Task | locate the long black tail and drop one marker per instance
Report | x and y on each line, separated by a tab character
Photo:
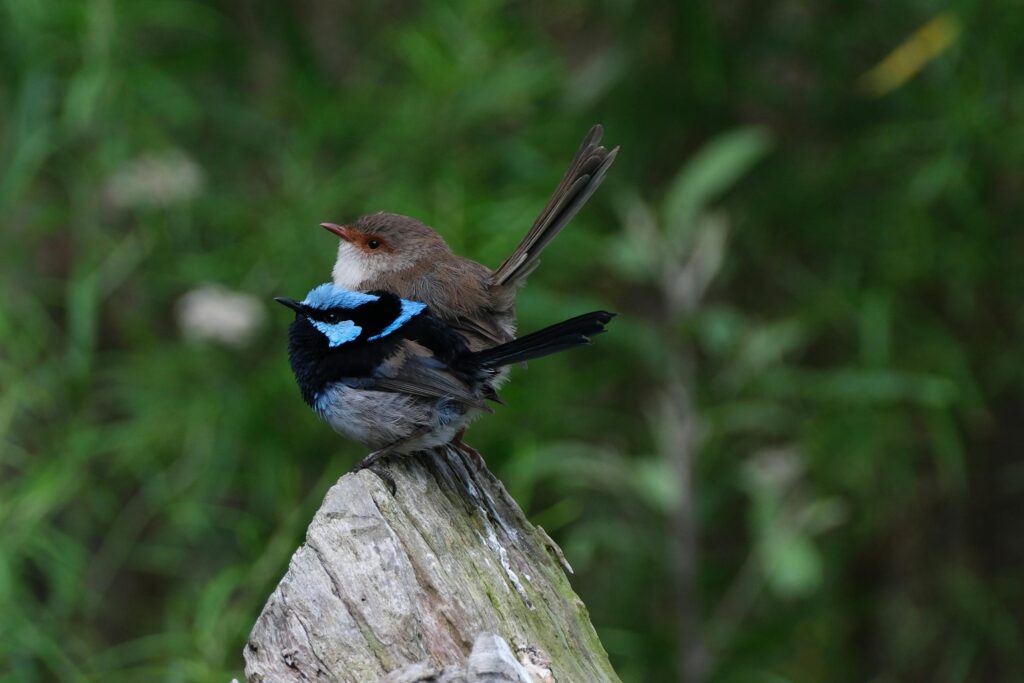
564	335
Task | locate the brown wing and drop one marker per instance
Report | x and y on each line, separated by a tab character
487	330
458	292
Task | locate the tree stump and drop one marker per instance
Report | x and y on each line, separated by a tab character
445	580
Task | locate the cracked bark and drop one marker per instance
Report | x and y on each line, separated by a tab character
444	581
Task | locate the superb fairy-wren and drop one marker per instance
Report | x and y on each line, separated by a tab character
389	374
398	254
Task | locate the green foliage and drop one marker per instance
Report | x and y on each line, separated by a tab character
832	272
714	169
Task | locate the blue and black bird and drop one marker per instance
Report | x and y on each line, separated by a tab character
385	372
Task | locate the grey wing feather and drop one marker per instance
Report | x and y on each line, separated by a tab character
425	376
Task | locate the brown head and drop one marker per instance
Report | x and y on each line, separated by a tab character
379	245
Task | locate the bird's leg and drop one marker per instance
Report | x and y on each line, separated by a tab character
373	459
372	462
474	454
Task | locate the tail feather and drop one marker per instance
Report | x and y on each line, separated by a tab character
567	334
584	176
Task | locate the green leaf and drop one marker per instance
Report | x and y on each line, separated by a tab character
657	484
713	170
792	564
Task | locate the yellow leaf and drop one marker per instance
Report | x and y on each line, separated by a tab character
912	55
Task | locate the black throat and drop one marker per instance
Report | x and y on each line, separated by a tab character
316	364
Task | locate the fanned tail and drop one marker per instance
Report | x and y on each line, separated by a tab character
584	176
564	335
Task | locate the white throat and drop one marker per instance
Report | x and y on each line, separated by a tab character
351	269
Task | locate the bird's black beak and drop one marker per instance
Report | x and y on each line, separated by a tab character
290	303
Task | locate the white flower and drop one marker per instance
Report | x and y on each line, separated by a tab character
211	312
154	180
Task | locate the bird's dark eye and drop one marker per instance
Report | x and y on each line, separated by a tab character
373	244
332	318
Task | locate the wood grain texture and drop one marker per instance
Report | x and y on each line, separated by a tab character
413	583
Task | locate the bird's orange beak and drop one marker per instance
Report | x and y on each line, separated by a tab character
341	231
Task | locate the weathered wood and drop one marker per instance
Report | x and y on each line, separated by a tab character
405	584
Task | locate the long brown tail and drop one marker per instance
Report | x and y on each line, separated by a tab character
585	174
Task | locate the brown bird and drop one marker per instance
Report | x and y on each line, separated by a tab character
397	254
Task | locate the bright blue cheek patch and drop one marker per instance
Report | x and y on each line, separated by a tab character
338	333
410	309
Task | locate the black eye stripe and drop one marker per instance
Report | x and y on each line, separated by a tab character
372	317
329	317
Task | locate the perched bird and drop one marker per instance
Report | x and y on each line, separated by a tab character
387	373
394	253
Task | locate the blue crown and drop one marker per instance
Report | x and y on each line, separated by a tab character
327	296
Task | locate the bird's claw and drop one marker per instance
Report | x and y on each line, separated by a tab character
474	454
373	462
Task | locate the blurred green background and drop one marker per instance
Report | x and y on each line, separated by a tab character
795	457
